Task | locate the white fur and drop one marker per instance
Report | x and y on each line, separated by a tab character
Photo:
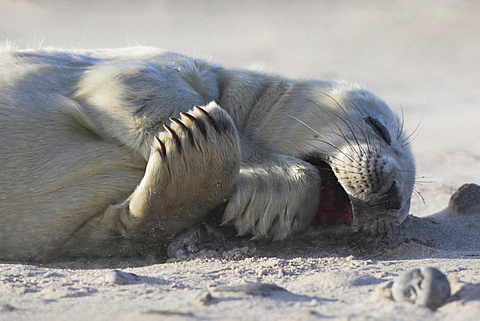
78	131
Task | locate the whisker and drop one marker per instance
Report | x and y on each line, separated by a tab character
336	124
343	135
419	181
407	139
344	111
340	162
348	165
324	141
403	120
367	136
406	171
417	193
346	114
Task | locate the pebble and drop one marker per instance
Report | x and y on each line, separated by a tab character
262	289
205	298
425	286
6	307
466	199
238	253
119	277
163	314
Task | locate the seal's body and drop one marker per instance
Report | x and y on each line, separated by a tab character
103	153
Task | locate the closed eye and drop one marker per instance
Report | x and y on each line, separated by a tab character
379	129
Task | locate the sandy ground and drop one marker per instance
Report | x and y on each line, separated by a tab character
423	56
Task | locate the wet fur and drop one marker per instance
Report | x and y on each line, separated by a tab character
88	168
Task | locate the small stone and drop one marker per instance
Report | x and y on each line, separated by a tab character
311	313
262	272
205	298
6	307
238	253
426	286
119	277
169	313
199	239
263	289
466	199
281	273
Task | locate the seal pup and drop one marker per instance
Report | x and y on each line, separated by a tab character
105	154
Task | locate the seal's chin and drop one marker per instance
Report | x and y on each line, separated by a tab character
334	206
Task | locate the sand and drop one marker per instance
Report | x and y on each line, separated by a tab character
422	56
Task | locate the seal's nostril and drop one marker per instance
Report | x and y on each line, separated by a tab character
392	199
393	204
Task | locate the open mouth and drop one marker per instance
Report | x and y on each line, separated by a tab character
334	206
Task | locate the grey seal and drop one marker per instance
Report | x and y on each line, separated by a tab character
105	154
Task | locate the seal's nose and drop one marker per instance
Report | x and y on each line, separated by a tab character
391	199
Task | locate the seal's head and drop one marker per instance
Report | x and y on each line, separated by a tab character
364	159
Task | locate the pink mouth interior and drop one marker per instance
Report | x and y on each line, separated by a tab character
334	204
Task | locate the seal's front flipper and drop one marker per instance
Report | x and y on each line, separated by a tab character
193	168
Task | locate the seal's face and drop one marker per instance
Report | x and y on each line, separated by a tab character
366	167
